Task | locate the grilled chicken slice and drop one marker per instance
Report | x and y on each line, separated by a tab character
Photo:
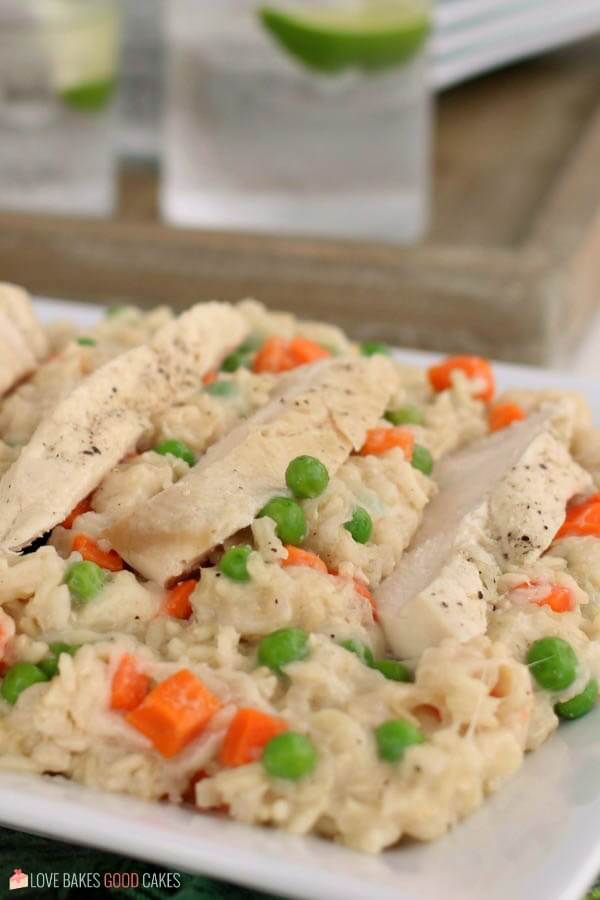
16	359
500	503
323	410
15	303
100	421
22	339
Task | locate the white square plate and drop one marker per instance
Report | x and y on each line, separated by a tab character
539	837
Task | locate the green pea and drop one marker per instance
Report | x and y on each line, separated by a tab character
405	415
18	678
49	666
221	388
115	310
306	476
282	647
57	647
289	755
234	563
361	650
370	348
553	663
579	705
176	448
394	737
85	580
252	343
234	361
422	460
288	517
360	525
86	342
393	670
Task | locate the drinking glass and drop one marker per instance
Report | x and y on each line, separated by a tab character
58	69
300	116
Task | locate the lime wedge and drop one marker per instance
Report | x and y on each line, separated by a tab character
333	40
89	97
82	57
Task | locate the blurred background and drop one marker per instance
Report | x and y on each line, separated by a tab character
426	173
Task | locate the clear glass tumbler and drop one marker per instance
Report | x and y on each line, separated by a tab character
58	68
298	116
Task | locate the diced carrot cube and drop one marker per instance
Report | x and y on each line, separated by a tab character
129	685
175	712
248	732
380	440
504	414
279	355
82	507
298	557
304	351
475	368
209	378
560	599
581	519
90	550
556	596
361	588
177	600
274	356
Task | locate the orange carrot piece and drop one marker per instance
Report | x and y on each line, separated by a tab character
209	378
380	440
82	507
274	356
474	367
558	597
248	732
361	588
177	600
90	550
279	355
504	414
129	685
298	557
175	712
581	519
304	351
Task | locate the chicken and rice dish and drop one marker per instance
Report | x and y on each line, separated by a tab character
249	566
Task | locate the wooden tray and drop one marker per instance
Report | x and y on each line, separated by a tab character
511	267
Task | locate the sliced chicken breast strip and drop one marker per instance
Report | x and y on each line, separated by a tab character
101	420
500	503
16	359
323	410
16	305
